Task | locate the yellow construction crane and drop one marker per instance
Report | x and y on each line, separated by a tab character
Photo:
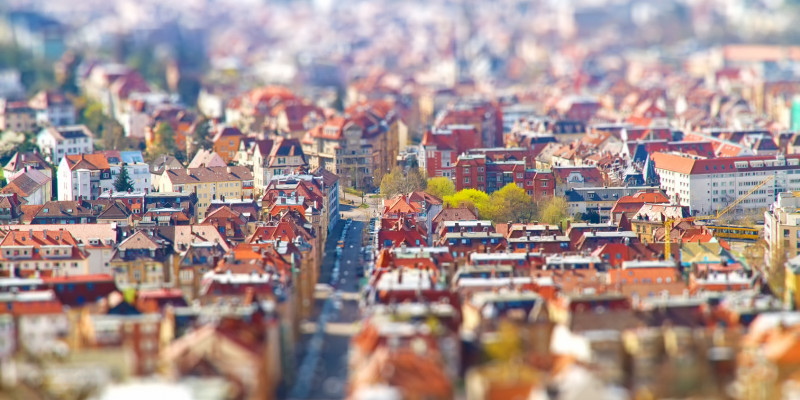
670	222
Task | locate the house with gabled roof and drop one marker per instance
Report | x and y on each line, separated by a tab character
231	224
117	213
41	253
275	157
226	142
11	208
33	186
64	212
141	258
21	162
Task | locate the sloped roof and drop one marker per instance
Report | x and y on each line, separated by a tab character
26	183
206	158
205	174
95	161
455	214
139	241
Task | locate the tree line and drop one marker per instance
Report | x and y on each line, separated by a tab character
509	204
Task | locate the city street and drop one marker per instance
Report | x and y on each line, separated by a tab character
323	348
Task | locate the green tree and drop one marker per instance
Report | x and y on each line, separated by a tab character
123	183
441	187
397	182
511	203
201	137
473	199
93	116
553	210
163	141
112	135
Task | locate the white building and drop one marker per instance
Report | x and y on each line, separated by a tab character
89	175
707	185
57	142
782	224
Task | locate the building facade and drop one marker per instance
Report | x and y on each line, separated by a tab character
707	185
58	142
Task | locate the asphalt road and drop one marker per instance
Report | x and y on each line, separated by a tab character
323	351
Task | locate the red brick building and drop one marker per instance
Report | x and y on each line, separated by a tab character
440	148
485	116
484	174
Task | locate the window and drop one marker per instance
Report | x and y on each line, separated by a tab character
466	179
544	184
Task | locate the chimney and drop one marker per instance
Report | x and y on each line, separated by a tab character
228	169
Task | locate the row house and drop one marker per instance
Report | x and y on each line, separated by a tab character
64	212
161	164
617	253
462	244
208	184
132	201
178	239
291	228
541	244
512	230
41	253
466	226
650	217
58	142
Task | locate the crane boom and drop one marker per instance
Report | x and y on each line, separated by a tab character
669	222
